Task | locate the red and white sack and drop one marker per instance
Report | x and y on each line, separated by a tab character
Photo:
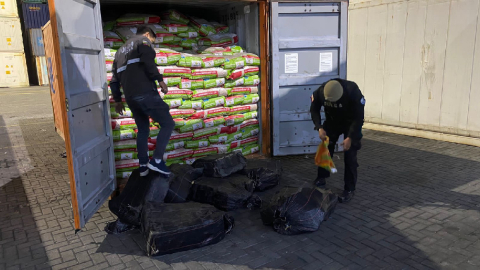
178	154
207	132
177	136
248	123
174	71
123	123
127	164
210	113
175	92
246	141
182	113
211	150
243	108
210	93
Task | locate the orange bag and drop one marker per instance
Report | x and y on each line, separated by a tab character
323	158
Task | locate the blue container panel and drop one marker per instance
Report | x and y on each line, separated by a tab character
35	15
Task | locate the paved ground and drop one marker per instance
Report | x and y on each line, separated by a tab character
417	207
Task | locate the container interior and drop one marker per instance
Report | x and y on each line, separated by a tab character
240	16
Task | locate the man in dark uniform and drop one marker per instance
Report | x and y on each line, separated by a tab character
135	70
344	106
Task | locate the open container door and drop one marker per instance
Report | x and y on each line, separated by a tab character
80	75
308	48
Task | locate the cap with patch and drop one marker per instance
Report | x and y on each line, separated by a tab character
333	91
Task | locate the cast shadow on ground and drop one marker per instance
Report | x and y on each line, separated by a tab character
359	234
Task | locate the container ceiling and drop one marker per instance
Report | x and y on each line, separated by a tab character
199	3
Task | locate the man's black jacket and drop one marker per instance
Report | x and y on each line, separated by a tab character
134	69
346	115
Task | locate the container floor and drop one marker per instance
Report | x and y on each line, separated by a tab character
416	207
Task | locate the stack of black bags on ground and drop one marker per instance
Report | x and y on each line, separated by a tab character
187	210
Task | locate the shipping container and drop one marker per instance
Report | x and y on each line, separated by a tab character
36	42
308	48
11	39
35	15
418	63
42	71
8	8
13	70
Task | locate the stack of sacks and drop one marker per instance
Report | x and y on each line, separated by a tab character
213	98
213	91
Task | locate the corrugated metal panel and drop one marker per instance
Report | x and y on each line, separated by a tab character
10	35
36	42
35	15
53	71
418	64
82	74
13	70
8	8
308	48
42	71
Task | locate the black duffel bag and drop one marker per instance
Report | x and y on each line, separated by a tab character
265	172
138	190
181	180
221	165
170	228
299	212
226	194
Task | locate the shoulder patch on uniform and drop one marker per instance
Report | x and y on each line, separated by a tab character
362	101
145	42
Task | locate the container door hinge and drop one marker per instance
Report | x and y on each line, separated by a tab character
66	104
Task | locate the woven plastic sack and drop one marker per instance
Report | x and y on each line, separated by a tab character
323	158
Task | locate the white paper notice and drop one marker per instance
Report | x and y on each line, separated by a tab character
291	63
326	62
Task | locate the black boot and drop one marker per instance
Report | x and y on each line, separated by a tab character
320	182
346	196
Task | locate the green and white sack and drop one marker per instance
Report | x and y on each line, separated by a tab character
213	102
197	144
234	62
172	81
120	135
188	60
191	125
191	84
212	83
175	16
252	81
173	103
192	104
234	100
166	57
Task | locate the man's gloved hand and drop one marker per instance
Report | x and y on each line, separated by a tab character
164	87
119	107
322	134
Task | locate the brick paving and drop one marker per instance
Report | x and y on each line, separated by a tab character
417	207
